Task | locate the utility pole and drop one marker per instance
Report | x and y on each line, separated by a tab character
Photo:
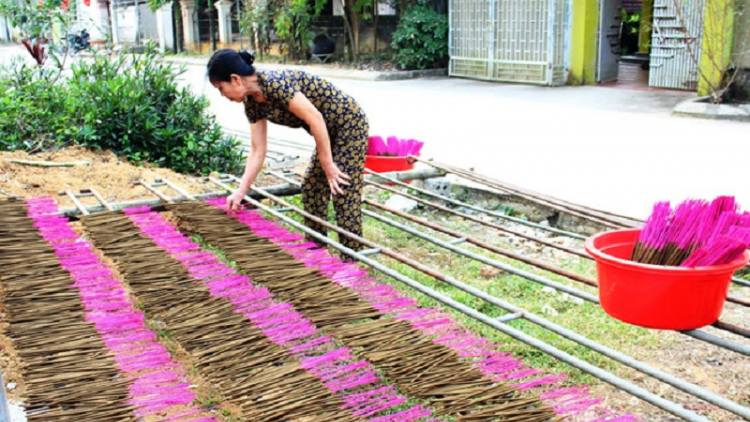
211	26
6	24
137	25
115	25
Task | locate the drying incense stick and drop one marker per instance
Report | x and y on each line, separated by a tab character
428	321
157	383
437	325
280	282
56	346
251	372
335	366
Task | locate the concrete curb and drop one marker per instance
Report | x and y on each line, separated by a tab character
701	108
323	71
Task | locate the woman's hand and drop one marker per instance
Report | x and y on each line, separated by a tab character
259	141
234	201
336	178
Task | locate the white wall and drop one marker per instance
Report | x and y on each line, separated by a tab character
148	23
4	30
126	23
165	27
95	18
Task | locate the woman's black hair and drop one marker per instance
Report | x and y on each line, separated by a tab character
226	62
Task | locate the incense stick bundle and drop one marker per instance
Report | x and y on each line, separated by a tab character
721	249
67	372
393	147
436	325
249	370
695	233
653	237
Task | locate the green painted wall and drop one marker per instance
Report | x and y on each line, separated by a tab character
644	32
583	42
716	44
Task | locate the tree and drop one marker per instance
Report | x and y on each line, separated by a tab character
723	47
421	39
292	24
353	15
35	22
288	19
258	22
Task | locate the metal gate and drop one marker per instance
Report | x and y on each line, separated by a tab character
676	44
207	20
208	38
509	40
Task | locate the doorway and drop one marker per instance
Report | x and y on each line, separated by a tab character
610	40
623	42
649	43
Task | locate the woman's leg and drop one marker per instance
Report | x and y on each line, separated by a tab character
316	195
349	154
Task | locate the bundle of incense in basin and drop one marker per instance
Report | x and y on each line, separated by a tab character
393	147
695	233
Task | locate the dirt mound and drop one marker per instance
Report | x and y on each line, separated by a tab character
111	176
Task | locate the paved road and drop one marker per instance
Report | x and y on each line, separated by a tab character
614	149
618	150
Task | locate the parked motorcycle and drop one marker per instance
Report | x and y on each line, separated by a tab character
79	41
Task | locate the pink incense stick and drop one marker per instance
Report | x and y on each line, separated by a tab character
156	381
479	352
354	381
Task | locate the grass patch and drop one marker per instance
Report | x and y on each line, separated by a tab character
582	317
214	398
197	238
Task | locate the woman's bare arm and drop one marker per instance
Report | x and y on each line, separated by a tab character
259	145
301	107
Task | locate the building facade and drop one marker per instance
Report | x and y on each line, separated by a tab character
670	44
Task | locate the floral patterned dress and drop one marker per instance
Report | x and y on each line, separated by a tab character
348	130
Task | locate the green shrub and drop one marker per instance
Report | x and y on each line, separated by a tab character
128	104
421	39
34	110
133	106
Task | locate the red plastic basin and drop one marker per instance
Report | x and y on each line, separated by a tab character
378	164
656	296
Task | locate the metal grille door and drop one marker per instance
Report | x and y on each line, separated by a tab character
676	43
610	26
509	40
469	40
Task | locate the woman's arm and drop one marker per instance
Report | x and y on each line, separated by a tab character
301	107
259	144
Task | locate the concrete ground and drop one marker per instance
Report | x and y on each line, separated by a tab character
619	150
615	149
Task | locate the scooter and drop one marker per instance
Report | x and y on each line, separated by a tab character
79	41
